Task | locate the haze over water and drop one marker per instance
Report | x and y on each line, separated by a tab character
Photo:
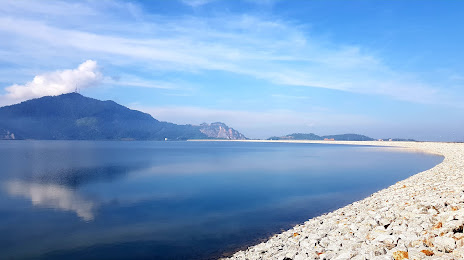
177	200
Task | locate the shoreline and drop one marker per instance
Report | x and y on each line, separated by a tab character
421	217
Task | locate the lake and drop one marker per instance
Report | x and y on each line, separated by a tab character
177	200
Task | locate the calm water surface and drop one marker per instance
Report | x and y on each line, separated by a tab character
176	200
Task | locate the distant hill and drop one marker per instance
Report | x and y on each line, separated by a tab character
220	130
349	137
342	137
75	117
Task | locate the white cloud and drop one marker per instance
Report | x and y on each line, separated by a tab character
131	81
54	83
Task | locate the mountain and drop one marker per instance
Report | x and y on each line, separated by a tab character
348	137
220	130
342	137
75	117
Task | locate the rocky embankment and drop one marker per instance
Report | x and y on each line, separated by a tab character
421	217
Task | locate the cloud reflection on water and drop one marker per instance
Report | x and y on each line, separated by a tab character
53	196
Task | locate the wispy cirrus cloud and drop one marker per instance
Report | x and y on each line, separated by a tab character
277	51
137	82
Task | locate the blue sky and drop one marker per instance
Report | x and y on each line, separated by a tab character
266	67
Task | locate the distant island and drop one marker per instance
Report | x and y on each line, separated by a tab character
75	117
340	137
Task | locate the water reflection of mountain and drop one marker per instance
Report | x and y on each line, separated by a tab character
75	177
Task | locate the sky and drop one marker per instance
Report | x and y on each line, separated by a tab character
264	67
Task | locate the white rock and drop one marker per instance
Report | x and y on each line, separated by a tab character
445	244
300	257
344	256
